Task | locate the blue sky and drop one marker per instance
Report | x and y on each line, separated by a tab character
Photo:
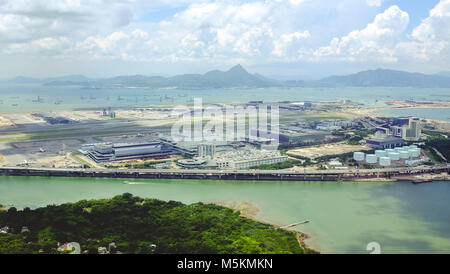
418	10
299	39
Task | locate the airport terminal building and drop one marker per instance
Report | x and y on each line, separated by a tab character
108	152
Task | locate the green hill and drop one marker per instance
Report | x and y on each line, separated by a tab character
139	225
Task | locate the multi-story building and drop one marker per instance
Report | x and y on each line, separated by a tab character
206	150
402	129
409	129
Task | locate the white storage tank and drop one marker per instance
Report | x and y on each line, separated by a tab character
359	156
389	150
404	155
394	156
413	146
414	153
385	161
371	159
381	153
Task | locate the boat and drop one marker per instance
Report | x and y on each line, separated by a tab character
422	181
131	183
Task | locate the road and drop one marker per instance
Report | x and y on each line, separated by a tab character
315	175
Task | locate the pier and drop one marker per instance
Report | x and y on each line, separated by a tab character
294	224
256	175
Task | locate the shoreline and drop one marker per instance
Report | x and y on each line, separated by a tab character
253	209
250	211
437	177
228	175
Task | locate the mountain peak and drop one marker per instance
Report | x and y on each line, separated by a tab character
238	68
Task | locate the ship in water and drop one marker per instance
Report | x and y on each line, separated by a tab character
422	181
131	183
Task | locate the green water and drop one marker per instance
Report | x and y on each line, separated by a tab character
344	218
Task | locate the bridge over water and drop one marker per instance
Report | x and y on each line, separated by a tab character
260	175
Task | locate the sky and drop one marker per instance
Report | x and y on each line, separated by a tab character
296	39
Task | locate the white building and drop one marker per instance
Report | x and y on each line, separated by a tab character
73	247
247	158
246	164
4	230
335	164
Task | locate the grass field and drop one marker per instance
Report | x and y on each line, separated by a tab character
77	158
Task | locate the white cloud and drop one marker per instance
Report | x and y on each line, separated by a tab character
289	43
374	3
223	32
430	41
375	42
220	31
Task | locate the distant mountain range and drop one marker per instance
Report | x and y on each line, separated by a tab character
64	79
444	73
387	78
238	77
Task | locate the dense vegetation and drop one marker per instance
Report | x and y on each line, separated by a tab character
145	165
359	136
441	144
305	160
283	165
300	144
136	225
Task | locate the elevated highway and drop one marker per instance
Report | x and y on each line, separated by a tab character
258	175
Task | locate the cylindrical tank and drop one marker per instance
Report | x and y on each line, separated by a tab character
381	153
394	156
414	153
404	154
371	159
390	150
412	146
385	161
359	156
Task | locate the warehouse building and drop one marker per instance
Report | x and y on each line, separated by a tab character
385	142
248	163
108	152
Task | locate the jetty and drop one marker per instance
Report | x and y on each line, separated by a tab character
294	224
